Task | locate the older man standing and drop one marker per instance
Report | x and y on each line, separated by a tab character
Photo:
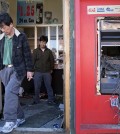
43	61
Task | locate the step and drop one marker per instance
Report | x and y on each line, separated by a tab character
38	131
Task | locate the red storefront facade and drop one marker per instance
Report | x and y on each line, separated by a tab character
93	112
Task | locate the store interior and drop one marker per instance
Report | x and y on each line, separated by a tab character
36	18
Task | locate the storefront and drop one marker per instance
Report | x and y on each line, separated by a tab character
36	18
86	33
97	39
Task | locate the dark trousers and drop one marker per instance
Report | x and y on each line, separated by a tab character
46	77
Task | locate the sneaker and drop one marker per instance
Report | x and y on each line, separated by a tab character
8	127
19	122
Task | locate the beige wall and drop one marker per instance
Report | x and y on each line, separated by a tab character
13	9
55	6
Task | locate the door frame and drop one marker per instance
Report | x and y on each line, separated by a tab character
66	79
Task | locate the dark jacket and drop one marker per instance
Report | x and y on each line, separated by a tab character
43	61
21	54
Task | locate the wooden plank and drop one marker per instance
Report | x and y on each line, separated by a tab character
66	35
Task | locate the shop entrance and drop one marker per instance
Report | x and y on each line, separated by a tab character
49	22
53	28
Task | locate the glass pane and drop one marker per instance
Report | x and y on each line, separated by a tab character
29	31
42	31
53	43
60	47
60	31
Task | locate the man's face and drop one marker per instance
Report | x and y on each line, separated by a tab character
7	29
42	44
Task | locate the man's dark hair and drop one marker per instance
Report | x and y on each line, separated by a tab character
43	38
6	19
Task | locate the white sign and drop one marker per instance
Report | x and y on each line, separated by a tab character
108	9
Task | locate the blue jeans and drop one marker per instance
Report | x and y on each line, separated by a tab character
46	77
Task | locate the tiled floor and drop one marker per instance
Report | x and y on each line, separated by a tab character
41	115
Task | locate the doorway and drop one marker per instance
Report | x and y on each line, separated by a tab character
66	70
48	22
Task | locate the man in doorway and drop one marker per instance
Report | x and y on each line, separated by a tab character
15	64
43	61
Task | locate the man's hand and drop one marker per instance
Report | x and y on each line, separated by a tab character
29	75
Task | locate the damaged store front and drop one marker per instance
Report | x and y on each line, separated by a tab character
108	56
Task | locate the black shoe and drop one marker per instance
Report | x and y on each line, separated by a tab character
51	103
44	96
34	103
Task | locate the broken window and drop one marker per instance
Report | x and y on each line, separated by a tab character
108	55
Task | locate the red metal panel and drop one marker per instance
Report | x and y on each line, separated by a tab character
92	111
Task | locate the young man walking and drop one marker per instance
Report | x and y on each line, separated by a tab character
15	64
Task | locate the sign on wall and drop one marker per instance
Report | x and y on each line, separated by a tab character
25	13
107	9
29	13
